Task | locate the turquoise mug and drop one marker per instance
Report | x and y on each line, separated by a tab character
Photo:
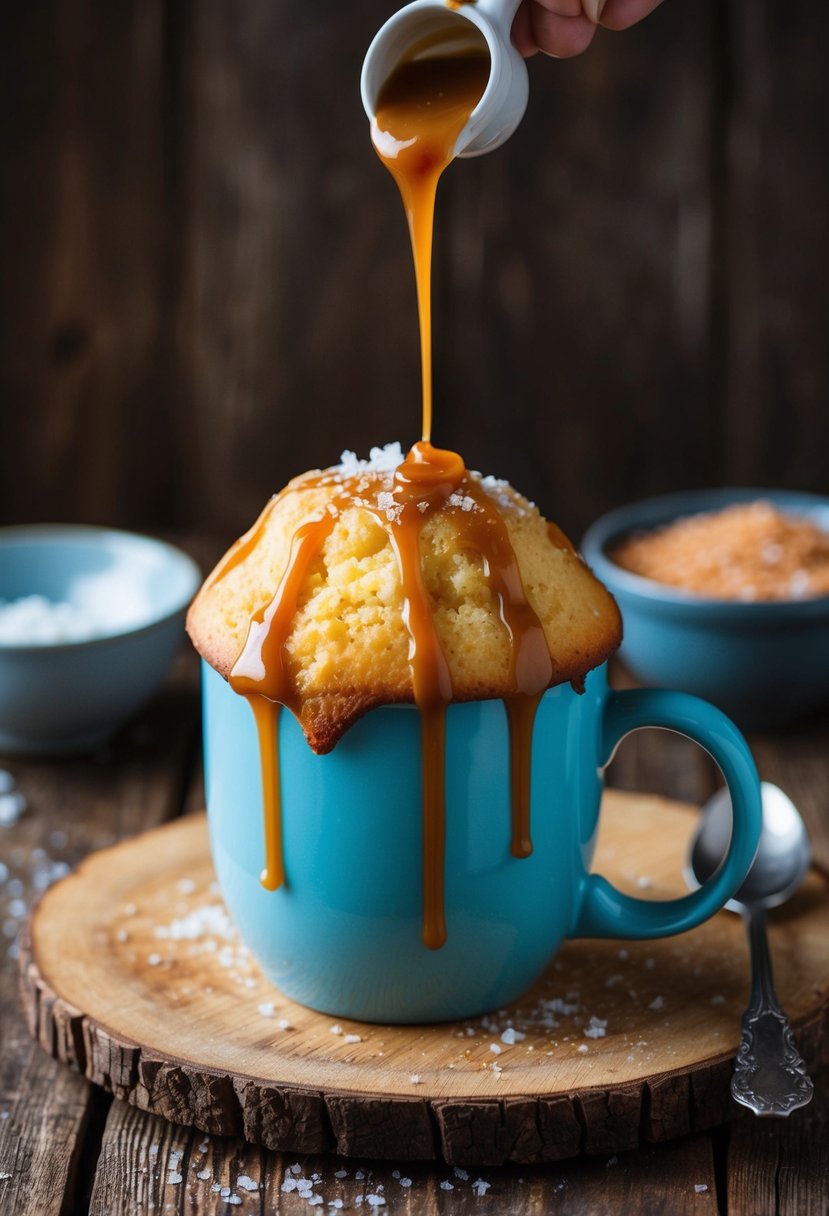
343	935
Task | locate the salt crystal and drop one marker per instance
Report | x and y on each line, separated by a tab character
496	1068
288	1185
336	1203
353	1038
284	1024
204	1175
582	1049
462	1174
267	1009
495	1049
480	1187
344	1174
315	1200
512	1036
224	1191
643	883
414	1079
215	1188
385	500
153	959
446	1185
203	1147
245	1183
296	1168
122	935
186	886
375	1201
359	1175
174	1178
381	460
336	1028
4	1177
658	1002
699	1187
233	1200
422	505
406	1182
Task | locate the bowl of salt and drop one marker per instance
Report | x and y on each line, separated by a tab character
90	620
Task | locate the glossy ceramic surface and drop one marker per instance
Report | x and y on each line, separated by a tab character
69	696
344	933
763	663
504	102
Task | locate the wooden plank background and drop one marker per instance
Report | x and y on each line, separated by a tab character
207	288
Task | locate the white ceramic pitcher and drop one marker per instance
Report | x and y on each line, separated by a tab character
504	101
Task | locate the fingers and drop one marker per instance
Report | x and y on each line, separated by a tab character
563	28
621	14
560	35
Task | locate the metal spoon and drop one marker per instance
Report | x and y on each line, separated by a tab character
769	1075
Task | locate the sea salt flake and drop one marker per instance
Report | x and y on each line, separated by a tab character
204	1175
495	1049
375	1201
174	1178
284	1024
353	1038
153	959
446	1185
186	886
643	882
296	1168
511	1036
461	1174
406	1182
582	1049
342	1173
414	1079
658	1002
245	1183
267	1009
480	1187
288	1185
699	1187
233	1200
336	1028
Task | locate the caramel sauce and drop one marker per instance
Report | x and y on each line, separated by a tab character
421	110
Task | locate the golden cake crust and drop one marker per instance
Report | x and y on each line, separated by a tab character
348	648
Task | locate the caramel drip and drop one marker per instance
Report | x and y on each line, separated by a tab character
521	709
421	110
267	714
260	675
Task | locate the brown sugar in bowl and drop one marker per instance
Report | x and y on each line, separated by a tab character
764	661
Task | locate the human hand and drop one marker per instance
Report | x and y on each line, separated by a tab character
566	27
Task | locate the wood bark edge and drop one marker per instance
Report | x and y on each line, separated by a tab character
527	1130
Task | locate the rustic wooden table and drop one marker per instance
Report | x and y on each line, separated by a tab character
66	1147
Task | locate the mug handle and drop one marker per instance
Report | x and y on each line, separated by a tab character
606	912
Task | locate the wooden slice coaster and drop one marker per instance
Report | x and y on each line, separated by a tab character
133	975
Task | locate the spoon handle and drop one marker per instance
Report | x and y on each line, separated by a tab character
769	1075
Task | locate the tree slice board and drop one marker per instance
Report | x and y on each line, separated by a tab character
132	974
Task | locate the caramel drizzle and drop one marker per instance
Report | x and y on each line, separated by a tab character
422	485
421	110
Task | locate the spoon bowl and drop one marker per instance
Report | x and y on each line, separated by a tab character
444	30
783	855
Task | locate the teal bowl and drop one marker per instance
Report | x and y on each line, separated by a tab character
61	697
763	663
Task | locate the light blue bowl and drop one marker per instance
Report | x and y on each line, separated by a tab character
67	697
762	663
